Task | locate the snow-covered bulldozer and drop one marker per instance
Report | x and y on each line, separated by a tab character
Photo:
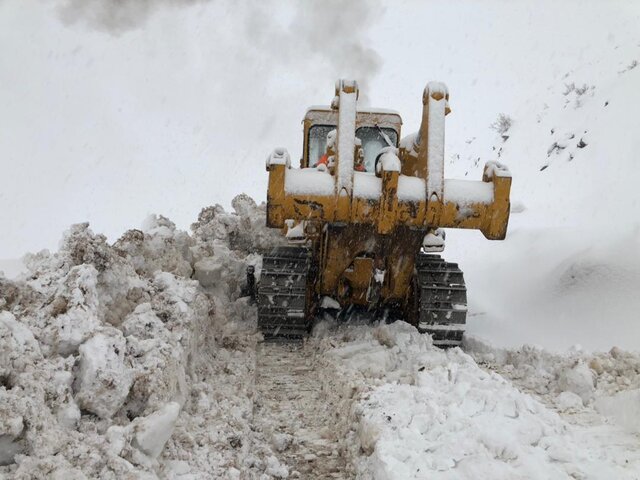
364	215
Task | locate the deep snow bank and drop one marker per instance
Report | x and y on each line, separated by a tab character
106	351
426	413
604	382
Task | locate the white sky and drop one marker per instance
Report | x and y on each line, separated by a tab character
180	110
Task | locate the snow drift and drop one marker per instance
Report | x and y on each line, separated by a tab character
103	348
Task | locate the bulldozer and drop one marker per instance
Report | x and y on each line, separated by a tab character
364	218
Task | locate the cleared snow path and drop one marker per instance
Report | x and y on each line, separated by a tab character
296	413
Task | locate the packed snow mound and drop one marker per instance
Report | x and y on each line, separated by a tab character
103	347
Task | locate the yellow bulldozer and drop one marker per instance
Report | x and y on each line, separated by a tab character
364	216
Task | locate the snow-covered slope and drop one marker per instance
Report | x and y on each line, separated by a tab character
570	267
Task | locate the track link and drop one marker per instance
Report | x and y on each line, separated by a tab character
442	300
282	292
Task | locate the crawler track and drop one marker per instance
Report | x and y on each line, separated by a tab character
282	293
441	300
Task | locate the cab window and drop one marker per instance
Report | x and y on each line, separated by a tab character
373	140
318	142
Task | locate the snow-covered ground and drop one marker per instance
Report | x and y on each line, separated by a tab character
139	359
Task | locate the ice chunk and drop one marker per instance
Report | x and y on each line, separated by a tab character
328	302
295	231
568	401
11	427
578	379
208	271
18	347
74	311
276	469
103	380
153	432
68	414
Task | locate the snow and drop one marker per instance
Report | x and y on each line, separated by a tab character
411	189
295	231
497	169
408	142
428	413
578	380
359	108
591	388
309	181
107	351
435	140
175	384
103	380
153	432
434	241
346	137
569	269
389	161
279	156
328	302
623	408
367	185
466	192
379	396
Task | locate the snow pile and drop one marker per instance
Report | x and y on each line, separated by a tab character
605	382
106	350
428	413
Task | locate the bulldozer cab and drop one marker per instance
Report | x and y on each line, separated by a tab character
375	129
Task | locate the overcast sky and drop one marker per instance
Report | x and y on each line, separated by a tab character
110	111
